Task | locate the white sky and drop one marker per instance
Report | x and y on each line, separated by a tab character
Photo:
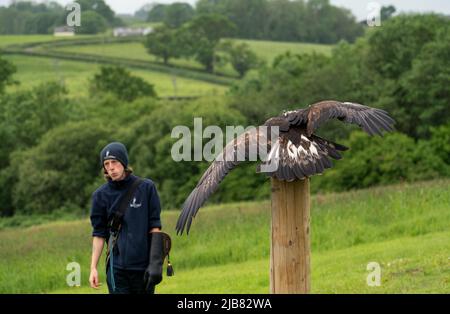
358	7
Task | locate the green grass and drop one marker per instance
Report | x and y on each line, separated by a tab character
135	51
130	53
32	71
266	50
403	227
7	40
408	265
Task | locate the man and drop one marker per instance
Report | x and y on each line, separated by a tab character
130	256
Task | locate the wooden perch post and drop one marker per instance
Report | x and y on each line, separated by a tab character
290	243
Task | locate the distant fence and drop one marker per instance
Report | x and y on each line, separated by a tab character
186	72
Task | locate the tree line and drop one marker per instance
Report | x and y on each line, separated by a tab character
278	20
28	17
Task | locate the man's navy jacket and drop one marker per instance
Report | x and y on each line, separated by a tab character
143	214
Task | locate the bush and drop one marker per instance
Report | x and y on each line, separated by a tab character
27	115
120	82
7	69
162	43
379	161
440	142
92	23
241	57
56	172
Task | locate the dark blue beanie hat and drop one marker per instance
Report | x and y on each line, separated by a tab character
114	150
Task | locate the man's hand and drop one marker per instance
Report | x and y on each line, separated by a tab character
93	279
155	230
97	248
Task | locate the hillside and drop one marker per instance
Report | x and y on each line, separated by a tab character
265	50
70	61
402	227
33	71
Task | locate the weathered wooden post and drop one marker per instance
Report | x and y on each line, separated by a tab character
290	242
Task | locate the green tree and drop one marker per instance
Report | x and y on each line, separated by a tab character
241	57
440	141
142	13
286	21
27	115
211	6
99	7
405	60
311	21
92	23
120	82
25	17
328	24
249	16
29	6
393	49
177	14
378	161
7	69
290	83
157	13
408	78
425	89
43	23
8	178
57	172
387	12
200	36
162	42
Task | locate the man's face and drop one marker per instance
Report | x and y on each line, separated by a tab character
115	169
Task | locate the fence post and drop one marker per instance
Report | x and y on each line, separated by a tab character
290	241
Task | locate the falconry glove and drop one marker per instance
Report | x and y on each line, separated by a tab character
160	245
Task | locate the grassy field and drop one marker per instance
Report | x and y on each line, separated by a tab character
405	228
266	50
74	73
7	40
336	271
134	50
32	71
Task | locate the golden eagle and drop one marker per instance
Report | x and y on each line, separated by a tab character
298	152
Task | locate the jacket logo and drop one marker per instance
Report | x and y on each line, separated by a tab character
134	205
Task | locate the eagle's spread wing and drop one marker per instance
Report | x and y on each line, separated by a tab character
297	153
371	120
235	151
